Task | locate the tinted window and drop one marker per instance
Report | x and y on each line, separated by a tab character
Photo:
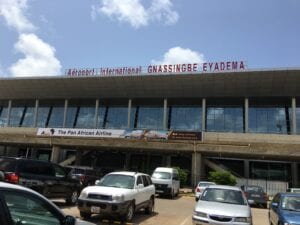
35	167
27	209
8	165
139	180
145	180
59	171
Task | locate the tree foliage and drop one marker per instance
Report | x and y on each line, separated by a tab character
222	177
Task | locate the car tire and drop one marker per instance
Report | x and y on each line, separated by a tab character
85	215
150	208
72	199
129	213
196	199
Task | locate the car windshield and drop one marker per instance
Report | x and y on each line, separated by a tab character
117	180
291	203
204	184
161	175
223	196
255	189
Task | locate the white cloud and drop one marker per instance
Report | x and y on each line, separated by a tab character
39	58
163	9
13	13
178	55
134	13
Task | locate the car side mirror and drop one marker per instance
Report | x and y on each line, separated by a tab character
251	202
69	220
140	186
275	204
97	182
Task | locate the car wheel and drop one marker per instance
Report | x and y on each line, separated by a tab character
85	215
172	194
72	199
196	199
150	208
129	212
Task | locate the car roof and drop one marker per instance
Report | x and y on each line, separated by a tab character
128	173
206	182
290	194
227	187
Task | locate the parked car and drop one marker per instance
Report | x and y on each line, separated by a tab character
49	179
285	209
200	188
222	205
166	181
257	194
86	175
118	194
21	205
294	190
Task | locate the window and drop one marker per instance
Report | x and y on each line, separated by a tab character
59	172
37	168
139	180
145	180
27	209
185	118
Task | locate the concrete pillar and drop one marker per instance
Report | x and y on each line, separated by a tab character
127	161
55	155
65	113
203	113
196	168
295	181
129	113
246	168
78	158
246	108
96	113
35	116
294	117
165	119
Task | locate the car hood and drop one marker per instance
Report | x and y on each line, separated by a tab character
291	216
225	209
81	222
106	190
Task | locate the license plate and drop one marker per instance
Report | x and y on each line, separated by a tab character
95	209
254	195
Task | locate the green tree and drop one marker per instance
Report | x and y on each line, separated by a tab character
222	177
183	174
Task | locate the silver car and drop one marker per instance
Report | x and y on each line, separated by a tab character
222	205
201	187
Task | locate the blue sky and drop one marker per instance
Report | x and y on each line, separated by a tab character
40	38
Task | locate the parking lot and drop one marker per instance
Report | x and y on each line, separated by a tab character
167	212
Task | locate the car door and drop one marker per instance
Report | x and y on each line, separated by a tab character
27	208
140	191
63	184
273	211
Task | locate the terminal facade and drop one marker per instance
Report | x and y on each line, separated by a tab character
249	121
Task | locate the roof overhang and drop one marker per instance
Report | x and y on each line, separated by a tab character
263	83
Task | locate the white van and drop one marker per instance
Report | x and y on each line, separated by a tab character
166	181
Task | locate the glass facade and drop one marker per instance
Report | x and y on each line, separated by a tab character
187	118
224	119
149	117
221	115
269	120
3	113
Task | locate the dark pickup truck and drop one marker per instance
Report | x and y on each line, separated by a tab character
49	179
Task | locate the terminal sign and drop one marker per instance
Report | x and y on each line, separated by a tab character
161	69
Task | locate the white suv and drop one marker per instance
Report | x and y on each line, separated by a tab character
118	194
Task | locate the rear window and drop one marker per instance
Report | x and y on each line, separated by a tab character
254	189
8	165
37	168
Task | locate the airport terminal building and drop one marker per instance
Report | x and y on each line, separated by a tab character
197	117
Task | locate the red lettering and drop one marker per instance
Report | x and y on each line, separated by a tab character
195	67
177	68
228	66
170	69
242	66
234	65
165	68
189	67
216	66
183	67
